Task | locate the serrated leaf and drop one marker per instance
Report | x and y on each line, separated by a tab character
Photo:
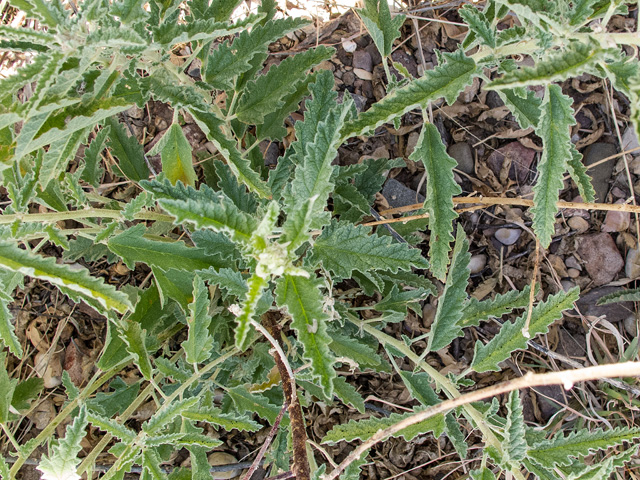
622	73
418	384
510	338
151	464
63	461
355	348
554	129
128	11
511	35
630	295
578	173
256	285
127	150
175	153
476	311
526	109
560	449
197	440
304	301
25	392
56	159
246	401
446	80
348	393
7	387
381	26
514	445
227	421
204	208
92	170
197	347
364	429
267	92
237	193
232	59
231	281
112	427
7	330
400	301
441	187
446	325
239	165
599	470
456	435
482	474
77	284
167	413
478	25
576	59
134	337
132	246
343	248
201	29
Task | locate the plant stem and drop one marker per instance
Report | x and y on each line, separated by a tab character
10	436
53	217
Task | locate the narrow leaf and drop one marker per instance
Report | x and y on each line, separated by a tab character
381	26
167	413
227	421
578	173
7	330
479	25
630	295
112	427
514	445
476	311
197	347
134	337
525	106
127	150
7	387
246	401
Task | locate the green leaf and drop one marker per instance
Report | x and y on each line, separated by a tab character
175	153
630	295
256	286
240	166
576	59
478	25
348	394
25	392
63	461
514	445
77	284
524	105
356	348
231	60
197	347
344	247
151	464
246	401
441	187
112	427
201	29
510	338
446	80
476	311
383	29
482	474
554	129
128	11
446	325
560	449
237	193
92	171
7	330
267	92
203	208
132	246
364	429
127	150
621	73
456	436
134	336
57	158
418	385
578	173
304	301
400	301
167	413
599	470
227	421
7	387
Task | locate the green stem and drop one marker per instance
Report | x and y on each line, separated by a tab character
10	436
232	107
94	384
53	217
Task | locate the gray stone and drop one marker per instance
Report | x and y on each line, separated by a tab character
615	312
477	263
601	174
520	158
507	236
462	153
348	78
362	59
632	264
398	195
601	257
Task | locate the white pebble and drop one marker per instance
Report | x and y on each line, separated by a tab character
477	263
507	236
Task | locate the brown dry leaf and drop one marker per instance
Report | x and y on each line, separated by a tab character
497	113
35	337
485	288
49	368
73	363
43	414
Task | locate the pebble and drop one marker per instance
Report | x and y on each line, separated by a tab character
348	78
632	264
399	195
616	221
507	236
631	325
363	74
630	140
223	458
520	157
577	212
567	285
412	141
572	262
601	174
477	263
349	46
578	224
601	257
573	272
462	154
362	59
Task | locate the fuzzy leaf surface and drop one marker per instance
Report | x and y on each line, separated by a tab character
554	129
383	29
63	461
441	188
7	329
578	173
304	301
197	347
510	338
479	25
216	417
525	108
514	445
343	248
127	150
175	153
476	311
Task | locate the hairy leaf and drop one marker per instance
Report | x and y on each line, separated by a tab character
304	302
510	338
256	286
348	394
7	387
524	105
197	347
203	29
127	150
167	413
630	295
482	474
175	153
7	330
246	401
112	427
453	430
63	461
441	187
514	445
134	337
227	421
446	324
446	80
343	248
578	173
478	25
378	22
554	129
476	311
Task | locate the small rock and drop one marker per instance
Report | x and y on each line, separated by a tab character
631	325
348	78
630	140
373	52
601	174
520	157
616	221
326	65
632	264
567	285
601	257
223	458
406	60
270	152
363	74
578	224
398	195
461	152
551	399
412	141
572	262
362	59
494	100
577	212
573	272
507	236
558	265
615	312
477	263
49	368
349	46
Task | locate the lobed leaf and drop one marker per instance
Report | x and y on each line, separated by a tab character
476	311
514	445
167	413
134	337
127	150
246	401
304	301
7	329
383	29
630	295
524	105
256	285
510	338
227	421
478	25
578	173
201	29
7	388
63	461
441	188
112	427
